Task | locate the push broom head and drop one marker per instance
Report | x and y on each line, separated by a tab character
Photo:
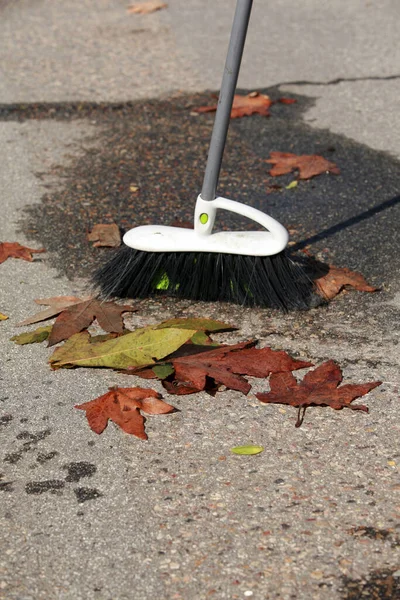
245	267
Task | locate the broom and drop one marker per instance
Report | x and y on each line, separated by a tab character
245	267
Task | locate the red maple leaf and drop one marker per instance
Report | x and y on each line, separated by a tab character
318	388
123	406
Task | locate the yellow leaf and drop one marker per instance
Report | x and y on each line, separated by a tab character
292	185
3	317
247	450
139	348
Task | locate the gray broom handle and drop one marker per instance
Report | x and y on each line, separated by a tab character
225	100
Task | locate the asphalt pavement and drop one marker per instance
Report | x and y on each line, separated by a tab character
94	100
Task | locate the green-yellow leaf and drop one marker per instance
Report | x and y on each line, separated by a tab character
247	450
139	348
3	317
32	337
163	371
200	338
292	184
197	324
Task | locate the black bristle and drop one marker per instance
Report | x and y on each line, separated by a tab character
277	281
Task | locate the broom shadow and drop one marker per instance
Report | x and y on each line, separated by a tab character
326	233
313	267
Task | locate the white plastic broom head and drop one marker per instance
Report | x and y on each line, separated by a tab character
161	238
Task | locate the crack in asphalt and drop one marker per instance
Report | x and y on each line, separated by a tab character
342	80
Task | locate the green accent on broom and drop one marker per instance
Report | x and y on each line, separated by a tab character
163	282
203	218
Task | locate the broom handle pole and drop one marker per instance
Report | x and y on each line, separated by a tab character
225	100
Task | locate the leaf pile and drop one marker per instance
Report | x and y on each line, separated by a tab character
225	365
181	354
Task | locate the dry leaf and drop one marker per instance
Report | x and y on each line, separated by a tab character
318	388
225	365
337	278
135	349
287	100
56	305
251	104
15	250
145	8
123	406
32	337
3	317
308	165
77	317
105	235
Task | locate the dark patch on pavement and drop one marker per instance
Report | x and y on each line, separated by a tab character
84	494
33	437
160	147
33	440
13	457
6	486
40	487
379	585
5	420
78	470
43	457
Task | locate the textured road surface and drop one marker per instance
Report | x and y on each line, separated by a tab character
317	514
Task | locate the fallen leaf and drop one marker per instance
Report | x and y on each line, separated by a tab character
32	337
292	184
77	317
144	8
105	235
198	324
3	317
136	349
318	388
183	224
287	100
15	250
247	450
226	365
330	284
242	106
308	165
56	305
123	406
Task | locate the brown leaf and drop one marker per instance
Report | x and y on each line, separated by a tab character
56	305
308	165
337	278
79	316
15	250
287	100
251	104
318	388
147	7
105	235
123	406
183	224
226	365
